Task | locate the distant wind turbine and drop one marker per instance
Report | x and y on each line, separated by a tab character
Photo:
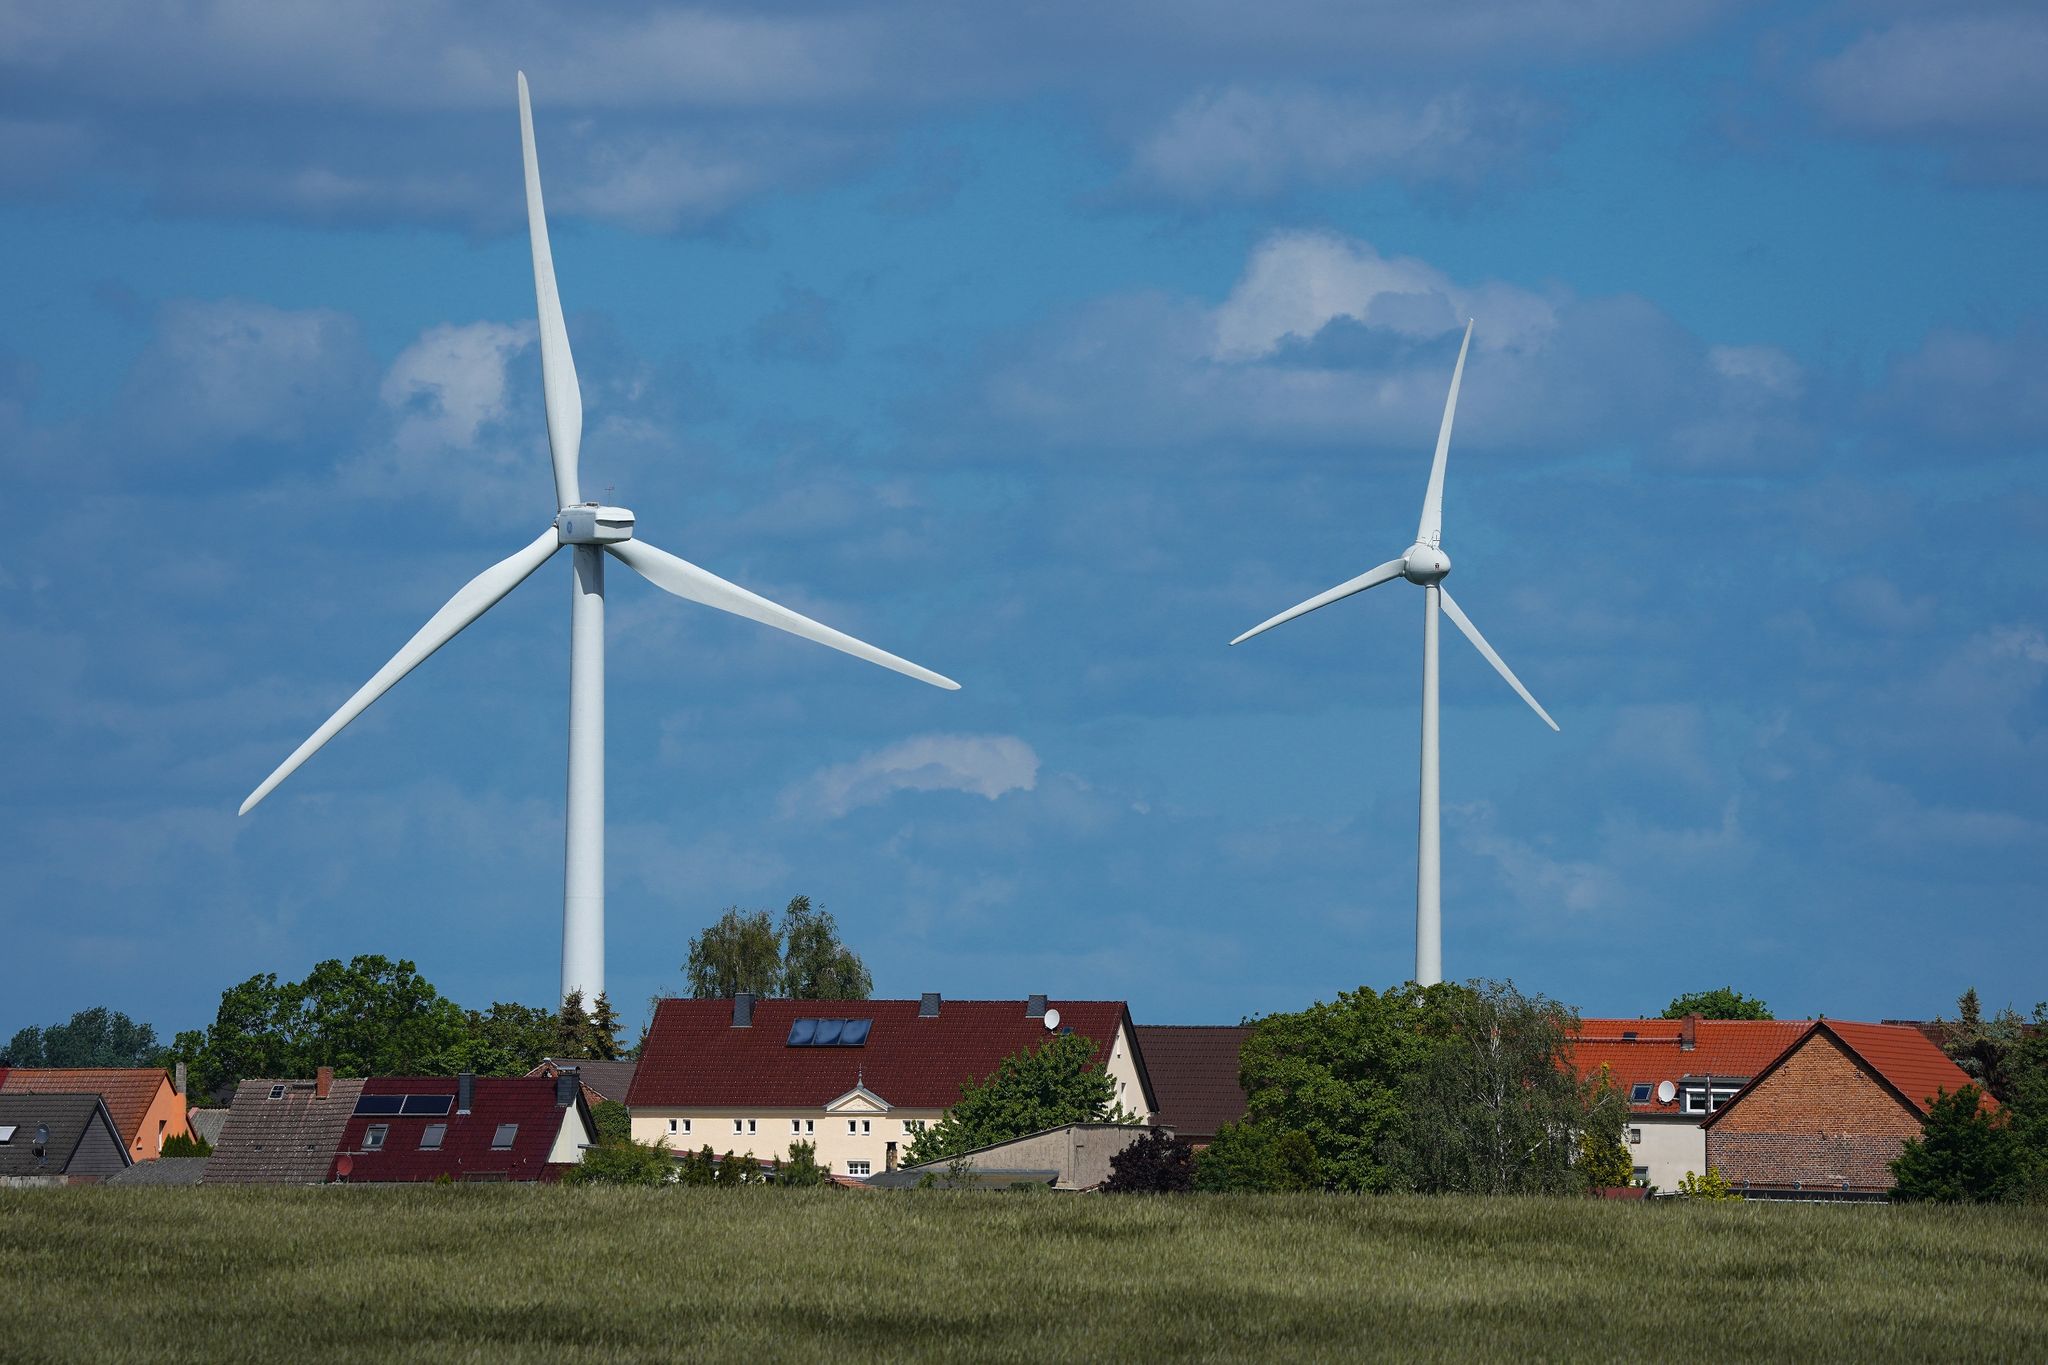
1426	565
593	530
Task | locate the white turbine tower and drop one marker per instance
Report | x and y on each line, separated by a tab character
1424	564
593	531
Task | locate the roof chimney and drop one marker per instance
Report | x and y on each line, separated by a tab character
743	1009
465	1091
1034	1008
323	1081
928	1008
1688	1033
178	1078
567	1082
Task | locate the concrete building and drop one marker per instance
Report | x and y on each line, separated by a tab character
1075	1157
1827	1117
860	1079
146	1108
1675	1073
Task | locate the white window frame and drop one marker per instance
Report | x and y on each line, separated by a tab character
739	1126
504	1137
914	1125
860	1167
1635	1137
374	1135
438	1132
675	1125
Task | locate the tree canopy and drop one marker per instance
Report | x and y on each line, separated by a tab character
1057	1083
95	1037
799	959
1965	1154
1725	1002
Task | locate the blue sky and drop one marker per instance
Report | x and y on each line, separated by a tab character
1050	350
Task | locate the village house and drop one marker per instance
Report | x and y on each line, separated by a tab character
464	1128
860	1079
601	1080
1675	1073
146	1108
1194	1070
283	1132
58	1139
1826	1118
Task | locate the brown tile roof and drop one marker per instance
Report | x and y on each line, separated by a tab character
289	1140
1194	1074
694	1057
605	1080
1901	1055
128	1091
1636	1052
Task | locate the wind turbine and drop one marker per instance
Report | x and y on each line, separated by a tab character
1424	564
592	531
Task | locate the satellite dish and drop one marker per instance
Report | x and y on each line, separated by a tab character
345	1165
1666	1092
1052	1020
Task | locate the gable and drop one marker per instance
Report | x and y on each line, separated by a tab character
859	1100
1819	1085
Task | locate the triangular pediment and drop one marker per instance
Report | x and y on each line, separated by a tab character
859	1100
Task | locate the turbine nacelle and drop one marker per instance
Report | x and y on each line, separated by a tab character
1425	564
589	523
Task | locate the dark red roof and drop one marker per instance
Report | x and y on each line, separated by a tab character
695	1058
466	1151
1729	1049
1194	1070
1902	1056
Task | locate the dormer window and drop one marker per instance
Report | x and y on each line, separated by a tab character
373	1137
502	1140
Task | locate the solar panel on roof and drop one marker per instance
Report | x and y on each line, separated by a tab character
801	1032
828	1033
854	1032
428	1104
380	1104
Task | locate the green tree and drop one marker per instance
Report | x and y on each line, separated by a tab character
95	1037
186	1144
1254	1157
1987	1050
741	952
505	1040
815	964
623	1163
1154	1164
1057	1083
1335	1072
735	1171
1723	1003
698	1168
801	1169
614	1123
586	1033
1606	1162
1965	1154
1495	1106
1712	1188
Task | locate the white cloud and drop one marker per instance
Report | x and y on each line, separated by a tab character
1245	143
984	765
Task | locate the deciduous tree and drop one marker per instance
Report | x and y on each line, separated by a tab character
1154	1164
1965	1154
1055	1084
1723	1003
95	1037
741	952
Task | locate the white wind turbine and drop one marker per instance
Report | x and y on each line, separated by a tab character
593	531
1424	564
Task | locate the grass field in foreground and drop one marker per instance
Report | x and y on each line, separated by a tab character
511	1273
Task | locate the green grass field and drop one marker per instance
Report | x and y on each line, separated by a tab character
498	1273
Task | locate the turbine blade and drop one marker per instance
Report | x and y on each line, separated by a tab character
557	366
1464	623
1431	530
1372	578
686	580
478	595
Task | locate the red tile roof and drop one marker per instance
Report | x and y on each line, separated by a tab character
1729	1049
1194	1070
128	1091
695	1058
1902	1056
466	1152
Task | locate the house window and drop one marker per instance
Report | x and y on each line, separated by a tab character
1642	1175
431	1137
810	1125
858	1167
913	1125
277	1092
1635	1137
501	1141
373	1137
6	1132
739	1125
860	1126
673	1125
1705	1099
796	1125
1639	1093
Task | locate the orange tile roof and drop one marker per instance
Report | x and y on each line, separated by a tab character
1907	1059
1729	1049
128	1091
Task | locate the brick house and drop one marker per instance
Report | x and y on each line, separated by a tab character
1674	1073
1828	1116
859	1079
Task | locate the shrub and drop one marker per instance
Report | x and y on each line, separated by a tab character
186	1144
1965	1154
1154	1164
623	1163
1712	1187
801	1169
614	1124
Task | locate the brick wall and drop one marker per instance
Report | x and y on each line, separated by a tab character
1822	1118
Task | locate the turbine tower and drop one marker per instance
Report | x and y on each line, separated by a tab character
592	531
1424	564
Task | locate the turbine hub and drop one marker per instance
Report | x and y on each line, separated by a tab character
588	523
1425	564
